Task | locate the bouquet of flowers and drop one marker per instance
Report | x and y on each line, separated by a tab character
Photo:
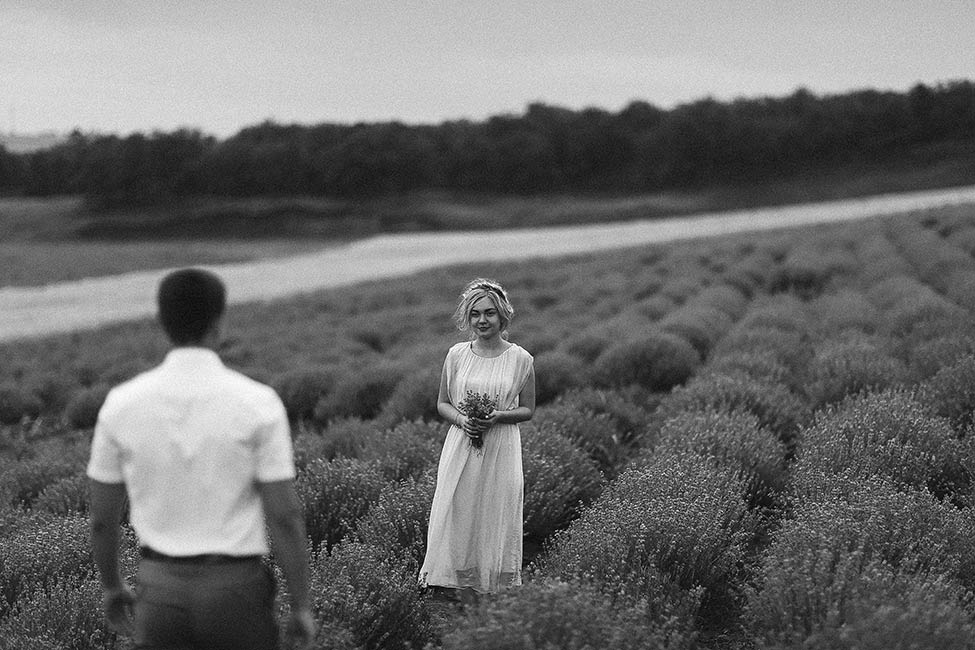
478	406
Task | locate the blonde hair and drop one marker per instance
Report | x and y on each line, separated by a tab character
474	291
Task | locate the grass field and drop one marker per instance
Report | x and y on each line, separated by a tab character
41	242
757	441
53	240
58	239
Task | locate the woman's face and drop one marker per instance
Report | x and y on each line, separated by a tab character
485	320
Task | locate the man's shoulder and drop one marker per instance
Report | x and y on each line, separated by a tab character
157	382
247	386
133	386
247	395
129	392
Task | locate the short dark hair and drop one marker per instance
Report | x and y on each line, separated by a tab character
190	302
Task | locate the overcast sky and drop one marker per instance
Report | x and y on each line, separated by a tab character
220	65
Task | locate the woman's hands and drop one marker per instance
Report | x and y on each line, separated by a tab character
477	427
491	419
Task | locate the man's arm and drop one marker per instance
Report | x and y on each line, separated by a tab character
107	501
286	523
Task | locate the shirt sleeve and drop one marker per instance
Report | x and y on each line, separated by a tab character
275	453
105	462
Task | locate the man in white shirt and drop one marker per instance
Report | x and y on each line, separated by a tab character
204	455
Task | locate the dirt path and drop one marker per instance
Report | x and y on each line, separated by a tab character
36	311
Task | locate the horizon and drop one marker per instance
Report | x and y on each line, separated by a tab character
61	135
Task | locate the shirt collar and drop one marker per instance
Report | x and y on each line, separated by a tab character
192	357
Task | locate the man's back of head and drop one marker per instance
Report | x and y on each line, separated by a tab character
191	302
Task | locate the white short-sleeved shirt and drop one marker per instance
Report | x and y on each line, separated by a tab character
191	439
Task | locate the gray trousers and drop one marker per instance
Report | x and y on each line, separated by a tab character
214	606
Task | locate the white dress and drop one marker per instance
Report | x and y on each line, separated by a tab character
475	534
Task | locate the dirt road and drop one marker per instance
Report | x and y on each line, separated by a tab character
36	311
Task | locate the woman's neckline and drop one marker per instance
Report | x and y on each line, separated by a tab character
470	346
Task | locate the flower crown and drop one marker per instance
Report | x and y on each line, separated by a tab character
485	287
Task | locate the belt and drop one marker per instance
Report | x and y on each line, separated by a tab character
207	558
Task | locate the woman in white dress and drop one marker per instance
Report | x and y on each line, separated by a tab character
474	541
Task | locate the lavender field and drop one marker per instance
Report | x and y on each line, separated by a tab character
753	440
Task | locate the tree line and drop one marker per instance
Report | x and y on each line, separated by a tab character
641	148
